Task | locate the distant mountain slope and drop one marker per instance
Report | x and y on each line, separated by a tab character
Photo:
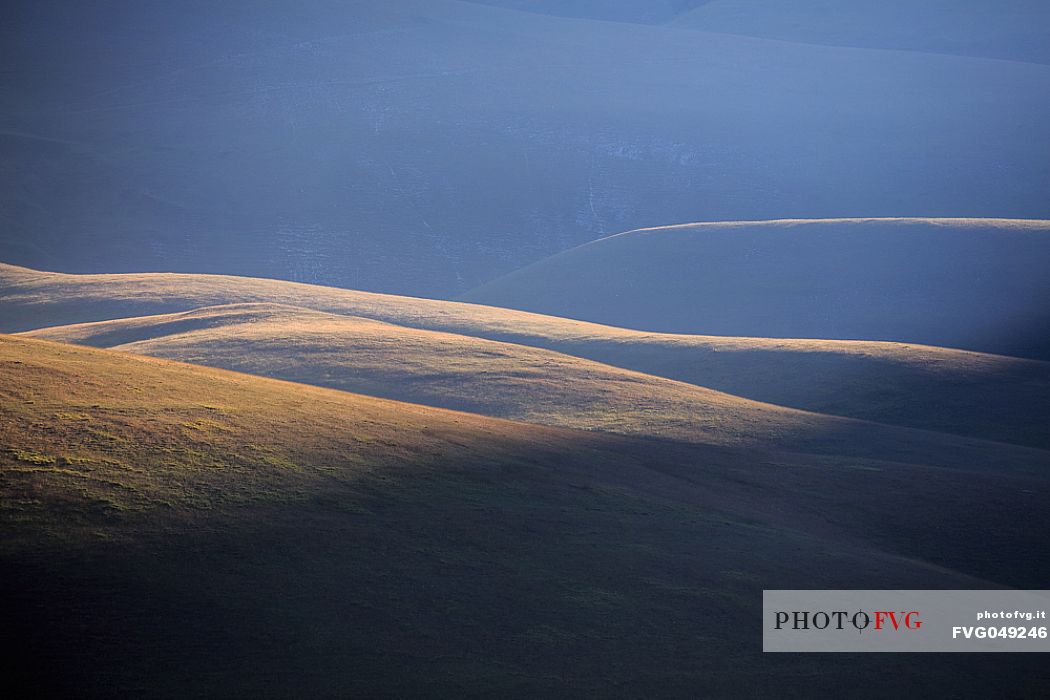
281	540
1009	29
977	284
511	381
427	146
643	11
985	396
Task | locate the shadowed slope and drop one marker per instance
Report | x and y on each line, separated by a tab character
274	539
1010	29
979	284
986	396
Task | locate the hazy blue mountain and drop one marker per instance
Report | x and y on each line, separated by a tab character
425	147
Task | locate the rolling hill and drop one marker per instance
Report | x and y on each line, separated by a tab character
275	538
299	140
1006	29
510	381
974	284
443	369
986	396
344	383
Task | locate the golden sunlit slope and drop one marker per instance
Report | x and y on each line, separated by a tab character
507	380
132	434
977	284
987	396
283	540
444	369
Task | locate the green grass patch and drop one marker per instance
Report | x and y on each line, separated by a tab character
72	416
31	457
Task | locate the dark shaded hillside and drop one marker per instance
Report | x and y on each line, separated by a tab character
427	146
972	284
276	540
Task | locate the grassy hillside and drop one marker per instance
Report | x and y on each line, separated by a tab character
443	369
1008	29
270	539
977	284
295	139
505	380
986	396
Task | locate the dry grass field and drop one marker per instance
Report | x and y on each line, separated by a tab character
278	538
365	349
974	394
